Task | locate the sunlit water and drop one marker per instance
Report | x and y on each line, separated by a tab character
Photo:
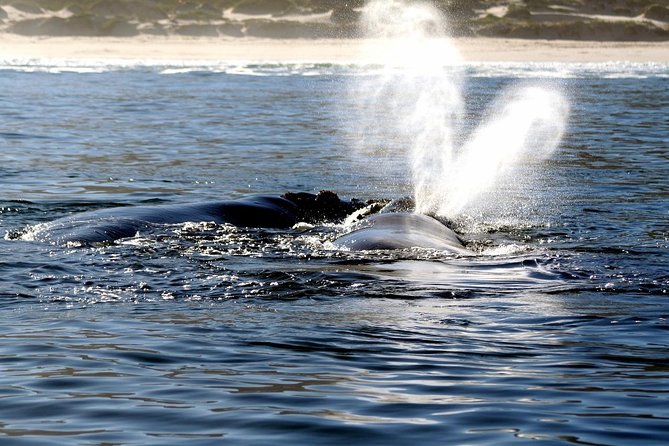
556	330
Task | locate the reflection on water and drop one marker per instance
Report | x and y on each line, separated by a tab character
263	368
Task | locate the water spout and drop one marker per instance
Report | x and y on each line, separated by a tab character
416	101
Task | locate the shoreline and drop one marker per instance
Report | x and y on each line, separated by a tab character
161	48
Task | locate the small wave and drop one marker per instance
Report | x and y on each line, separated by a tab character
524	70
169	67
507	275
569	70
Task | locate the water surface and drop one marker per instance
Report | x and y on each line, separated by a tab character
556	331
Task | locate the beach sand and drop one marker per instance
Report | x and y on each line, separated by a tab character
305	50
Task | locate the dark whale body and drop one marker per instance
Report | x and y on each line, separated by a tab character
399	230
259	211
396	229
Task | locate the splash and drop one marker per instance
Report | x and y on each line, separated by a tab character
414	104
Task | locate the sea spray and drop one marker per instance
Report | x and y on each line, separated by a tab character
525	124
414	104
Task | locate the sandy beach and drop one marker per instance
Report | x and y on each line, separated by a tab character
477	49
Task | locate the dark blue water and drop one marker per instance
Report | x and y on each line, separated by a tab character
556	331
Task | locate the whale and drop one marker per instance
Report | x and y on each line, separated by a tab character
256	211
401	230
376	225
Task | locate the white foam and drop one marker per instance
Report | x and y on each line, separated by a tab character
378	60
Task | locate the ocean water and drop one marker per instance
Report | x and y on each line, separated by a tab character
556	331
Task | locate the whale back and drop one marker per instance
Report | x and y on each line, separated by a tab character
255	211
111	224
402	230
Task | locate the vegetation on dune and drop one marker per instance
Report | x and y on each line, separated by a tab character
573	30
657	12
276	7
518	12
577	20
552	19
